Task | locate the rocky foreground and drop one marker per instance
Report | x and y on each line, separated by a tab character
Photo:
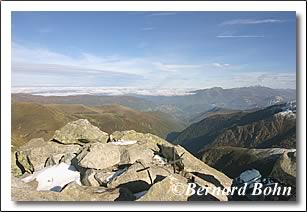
82	163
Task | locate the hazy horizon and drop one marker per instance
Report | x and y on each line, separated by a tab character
113	91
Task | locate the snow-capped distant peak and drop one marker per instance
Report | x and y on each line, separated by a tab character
276	100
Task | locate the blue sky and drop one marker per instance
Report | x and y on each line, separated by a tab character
154	49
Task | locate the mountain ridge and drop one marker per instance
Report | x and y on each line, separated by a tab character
30	120
182	107
241	129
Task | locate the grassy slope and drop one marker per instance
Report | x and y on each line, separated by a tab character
89	100
32	120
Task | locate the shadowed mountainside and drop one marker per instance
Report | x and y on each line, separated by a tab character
234	160
269	127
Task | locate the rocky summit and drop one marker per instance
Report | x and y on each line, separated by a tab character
82	163
79	132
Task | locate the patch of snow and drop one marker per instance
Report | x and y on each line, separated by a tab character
280	150
276	100
289	110
267	153
115	174
102	190
140	194
54	178
123	143
288	114
160	160
290	106
271	151
247	100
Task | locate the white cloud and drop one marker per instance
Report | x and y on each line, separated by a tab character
273	80
175	67
46	66
220	65
114	63
280	78
252	21
114	91
25	54
41	66
240	36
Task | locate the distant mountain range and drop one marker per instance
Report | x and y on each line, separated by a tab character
189	106
184	107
